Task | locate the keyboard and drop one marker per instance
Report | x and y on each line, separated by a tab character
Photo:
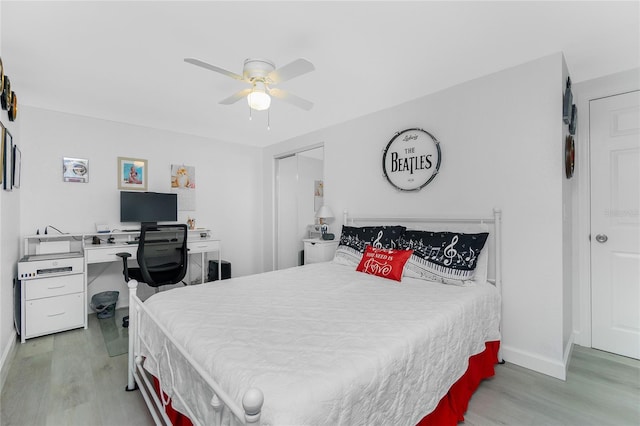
165	240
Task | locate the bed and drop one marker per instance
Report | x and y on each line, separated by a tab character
321	343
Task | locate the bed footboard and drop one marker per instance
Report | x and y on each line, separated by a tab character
139	378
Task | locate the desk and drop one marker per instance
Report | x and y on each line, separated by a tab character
100	253
67	292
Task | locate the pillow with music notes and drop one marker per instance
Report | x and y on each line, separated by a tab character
354	240
446	257
385	263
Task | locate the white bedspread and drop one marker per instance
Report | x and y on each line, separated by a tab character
326	344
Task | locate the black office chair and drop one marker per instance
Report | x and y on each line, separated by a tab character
161	256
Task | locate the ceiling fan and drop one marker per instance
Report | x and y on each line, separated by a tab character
262	75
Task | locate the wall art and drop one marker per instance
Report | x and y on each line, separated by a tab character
569	156
7	161
183	183
75	170
132	174
411	159
17	167
2	136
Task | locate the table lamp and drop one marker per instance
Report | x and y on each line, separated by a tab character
323	213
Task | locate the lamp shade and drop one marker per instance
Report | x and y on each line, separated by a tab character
324	212
258	99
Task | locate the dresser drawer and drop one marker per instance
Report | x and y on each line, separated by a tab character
205	246
53	286
319	250
108	254
44	316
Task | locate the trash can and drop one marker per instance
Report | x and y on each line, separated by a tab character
213	270
104	303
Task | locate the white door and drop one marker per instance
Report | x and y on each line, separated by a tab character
296	177
615	223
287	240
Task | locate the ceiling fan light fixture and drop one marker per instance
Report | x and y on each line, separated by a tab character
258	99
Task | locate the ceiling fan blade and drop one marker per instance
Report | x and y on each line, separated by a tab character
291	70
236	97
292	99
213	68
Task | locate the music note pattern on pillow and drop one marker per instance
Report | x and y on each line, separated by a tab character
446	257
354	240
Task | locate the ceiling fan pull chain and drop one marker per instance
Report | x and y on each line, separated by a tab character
250	113
269	119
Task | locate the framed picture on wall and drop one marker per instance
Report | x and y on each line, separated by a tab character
17	166
7	161
75	170
1	153
132	174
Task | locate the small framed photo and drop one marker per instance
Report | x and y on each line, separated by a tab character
2	137
132	174
7	161
17	166
75	170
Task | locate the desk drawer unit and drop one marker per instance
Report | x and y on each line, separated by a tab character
53	314
53	286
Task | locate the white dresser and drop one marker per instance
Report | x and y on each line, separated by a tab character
317	250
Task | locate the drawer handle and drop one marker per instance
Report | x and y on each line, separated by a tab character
58	314
59	286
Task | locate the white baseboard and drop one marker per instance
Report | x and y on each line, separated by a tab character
7	357
535	362
568	350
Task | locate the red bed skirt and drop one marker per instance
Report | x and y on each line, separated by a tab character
453	405
450	409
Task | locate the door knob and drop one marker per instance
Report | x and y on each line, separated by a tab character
601	238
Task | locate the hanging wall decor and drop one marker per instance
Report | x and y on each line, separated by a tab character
183	183
567	101
17	167
7	161
411	159
569	156
132	174
569	109
75	170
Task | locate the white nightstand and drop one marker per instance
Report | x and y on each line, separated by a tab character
317	250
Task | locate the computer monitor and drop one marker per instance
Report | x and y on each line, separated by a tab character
148	207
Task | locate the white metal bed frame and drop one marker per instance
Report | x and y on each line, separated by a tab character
253	399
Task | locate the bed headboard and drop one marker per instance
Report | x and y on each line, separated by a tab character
491	224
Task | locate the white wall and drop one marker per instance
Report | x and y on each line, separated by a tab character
568	264
9	247
227	184
502	146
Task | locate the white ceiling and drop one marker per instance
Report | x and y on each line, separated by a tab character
123	61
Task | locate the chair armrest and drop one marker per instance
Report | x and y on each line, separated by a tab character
125	268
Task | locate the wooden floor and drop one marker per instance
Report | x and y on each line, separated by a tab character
69	379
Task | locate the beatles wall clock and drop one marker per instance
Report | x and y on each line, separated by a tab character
411	159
